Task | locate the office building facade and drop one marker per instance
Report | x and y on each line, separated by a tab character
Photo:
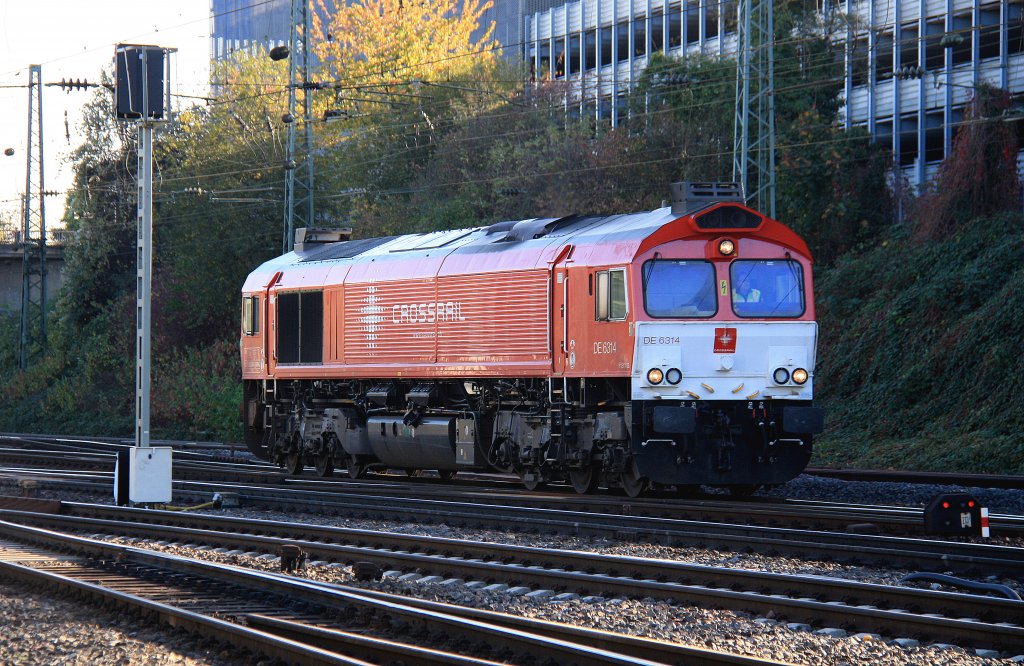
242	25
602	45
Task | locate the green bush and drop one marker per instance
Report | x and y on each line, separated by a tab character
197	394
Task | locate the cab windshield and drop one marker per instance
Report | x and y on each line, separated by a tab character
677	288
767	288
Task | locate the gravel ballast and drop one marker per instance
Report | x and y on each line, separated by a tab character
40	629
91	632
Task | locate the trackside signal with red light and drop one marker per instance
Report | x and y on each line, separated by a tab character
956	514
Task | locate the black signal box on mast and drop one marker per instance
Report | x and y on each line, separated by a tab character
140	80
141	99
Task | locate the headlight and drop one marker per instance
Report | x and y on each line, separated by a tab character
781	375
655	375
674	376
726	247
799	376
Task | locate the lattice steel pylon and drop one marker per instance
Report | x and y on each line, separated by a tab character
298	183
33	231
754	154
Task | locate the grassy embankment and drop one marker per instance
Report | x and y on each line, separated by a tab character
921	353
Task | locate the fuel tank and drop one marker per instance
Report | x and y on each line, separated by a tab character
429	443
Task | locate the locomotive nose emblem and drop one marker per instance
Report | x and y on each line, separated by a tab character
725	341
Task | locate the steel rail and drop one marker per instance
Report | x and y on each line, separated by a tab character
1008	481
907	552
845	602
346	599
893	520
902	521
235	634
915	554
107	442
646	568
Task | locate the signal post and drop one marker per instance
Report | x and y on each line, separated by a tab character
142	96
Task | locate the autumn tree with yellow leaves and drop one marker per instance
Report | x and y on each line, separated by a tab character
394	78
370	42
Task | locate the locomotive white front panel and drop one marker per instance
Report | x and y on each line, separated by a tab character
724	360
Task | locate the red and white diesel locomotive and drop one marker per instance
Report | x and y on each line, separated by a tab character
674	347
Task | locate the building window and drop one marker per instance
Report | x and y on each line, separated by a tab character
1014	28
730	17
606	46
988	34
908	140
962	27
710	20
560	58
956	119
545	61
657	32
883	57
622	41
692	22
574	54
934	54
934	147
590	48
640	36
883	132
621	109
909	46
859	62
675	26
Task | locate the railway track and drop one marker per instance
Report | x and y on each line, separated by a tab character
926	554
969	621
260	483
308	622
962	618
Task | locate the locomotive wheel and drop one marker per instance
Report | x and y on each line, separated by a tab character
632	483
324	463
447	474
293	462
586	479
356	469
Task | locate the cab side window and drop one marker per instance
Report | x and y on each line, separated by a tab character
610	295
251	315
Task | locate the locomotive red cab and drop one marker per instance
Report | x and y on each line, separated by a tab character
674	347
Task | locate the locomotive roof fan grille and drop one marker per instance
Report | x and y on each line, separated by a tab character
691	196
308	237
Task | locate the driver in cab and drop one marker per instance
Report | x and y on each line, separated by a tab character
744	293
